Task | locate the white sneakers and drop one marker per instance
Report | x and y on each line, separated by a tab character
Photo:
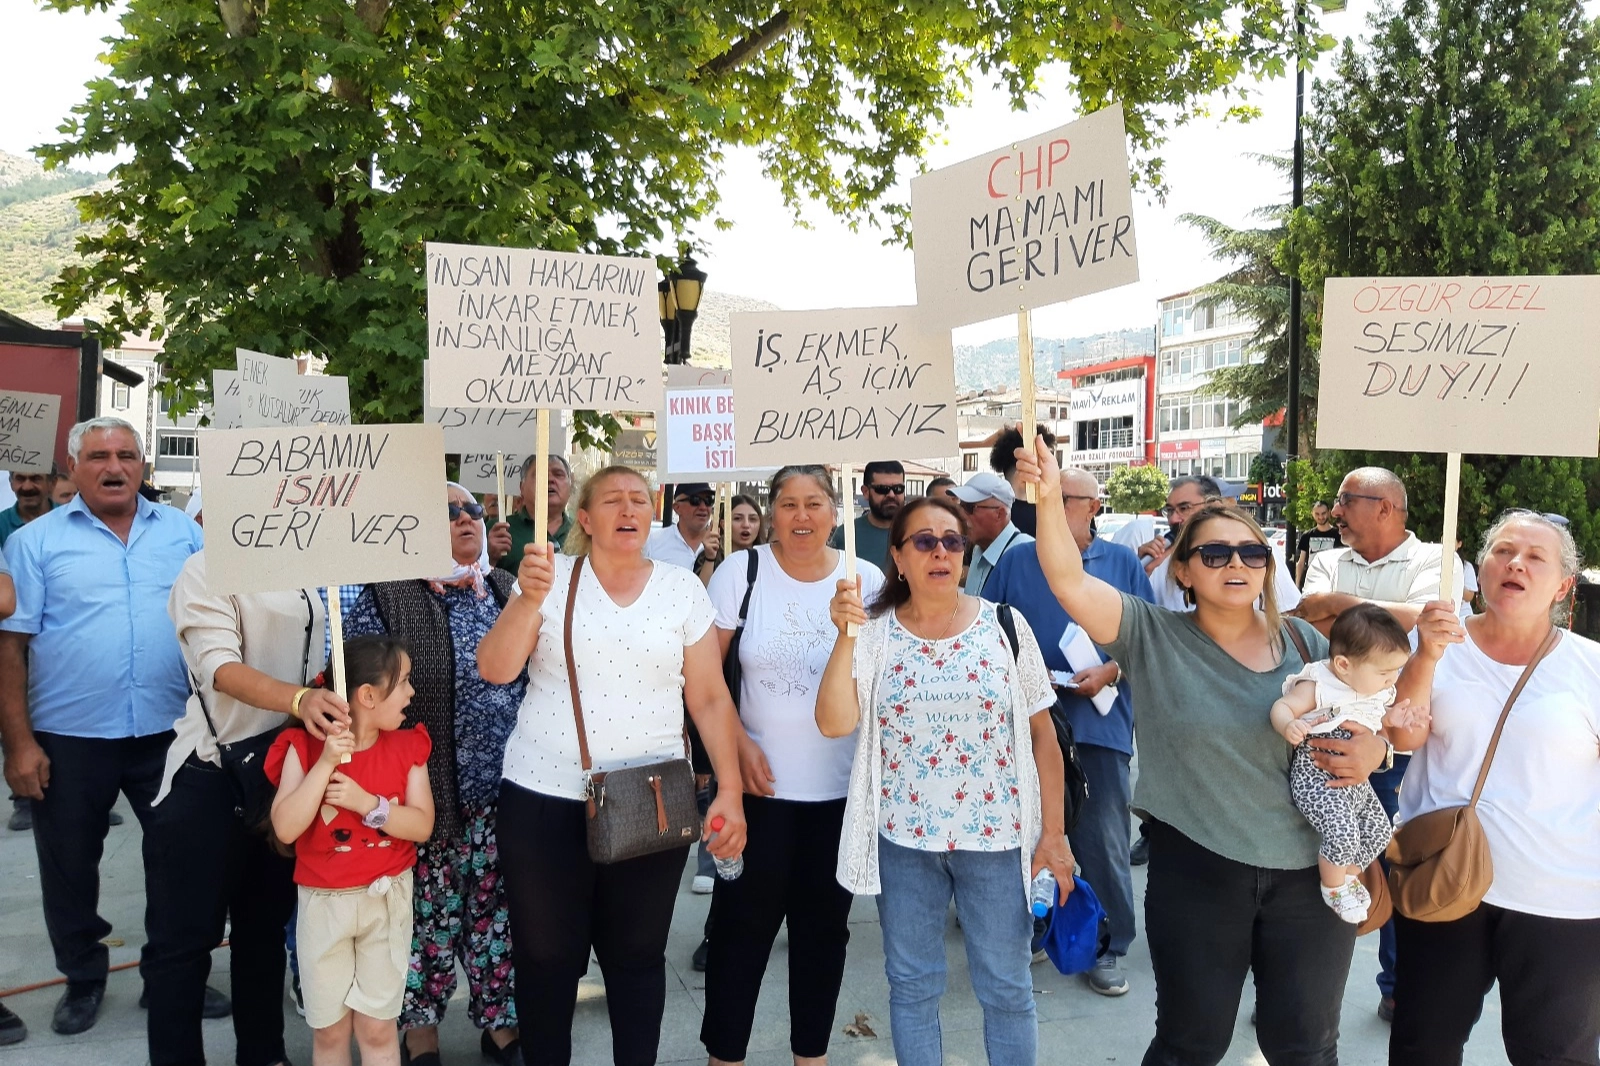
1350	902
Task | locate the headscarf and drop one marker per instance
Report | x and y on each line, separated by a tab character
465	575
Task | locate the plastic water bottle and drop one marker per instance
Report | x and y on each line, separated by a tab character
727	869
1042	896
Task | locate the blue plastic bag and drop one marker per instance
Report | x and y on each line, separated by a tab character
1078	932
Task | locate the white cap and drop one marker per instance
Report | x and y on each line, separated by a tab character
986	486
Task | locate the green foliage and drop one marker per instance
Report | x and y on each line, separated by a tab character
284	164
1306	483
1267	469
1131	489
1464	140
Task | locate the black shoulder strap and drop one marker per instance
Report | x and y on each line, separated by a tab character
1008	624
1299	642
750	582
500	584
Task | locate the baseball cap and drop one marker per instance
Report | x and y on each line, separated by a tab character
689	489
986	486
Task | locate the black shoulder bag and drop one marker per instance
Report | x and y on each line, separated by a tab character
1076	792
732	672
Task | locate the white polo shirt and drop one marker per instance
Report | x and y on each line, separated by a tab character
1408	574
1169	593
666	545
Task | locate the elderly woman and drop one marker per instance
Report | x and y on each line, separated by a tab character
1233	883
1537	931
643	648
459	899
795	779
955	787
251	658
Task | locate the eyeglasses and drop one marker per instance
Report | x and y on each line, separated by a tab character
973	508
1216	556
699	499
1176	509
473	510
887	490
954	543
1344	498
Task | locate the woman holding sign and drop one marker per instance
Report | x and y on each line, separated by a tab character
1233	865
638	649
459	900
795	779
1537	930
955	787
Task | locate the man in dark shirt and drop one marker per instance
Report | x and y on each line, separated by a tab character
557	491
883	485
1320	539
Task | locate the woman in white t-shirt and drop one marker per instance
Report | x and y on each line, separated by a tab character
795	779
955	788
1537	931
644	649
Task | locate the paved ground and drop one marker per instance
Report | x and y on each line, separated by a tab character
1076	1026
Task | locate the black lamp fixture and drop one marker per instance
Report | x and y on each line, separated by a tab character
678	297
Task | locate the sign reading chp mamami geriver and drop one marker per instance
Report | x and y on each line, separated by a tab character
1043	220
522	328
28	423
1464	364
845	385
298	507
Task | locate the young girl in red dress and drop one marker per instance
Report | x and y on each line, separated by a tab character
353	825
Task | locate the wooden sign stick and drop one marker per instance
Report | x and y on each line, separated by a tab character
500	485
845	474
726	491
1026	387
1447	536
541	478
340	682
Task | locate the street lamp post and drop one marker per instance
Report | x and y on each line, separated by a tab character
678	298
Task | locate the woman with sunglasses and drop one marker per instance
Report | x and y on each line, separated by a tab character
956	786
1233	883
459	900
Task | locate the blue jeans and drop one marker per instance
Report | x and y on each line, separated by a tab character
992	904
1100	840
1387	786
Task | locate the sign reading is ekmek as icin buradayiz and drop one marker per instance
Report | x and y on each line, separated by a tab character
297	507
1476	365
28	422
846	385
522	328
1043	220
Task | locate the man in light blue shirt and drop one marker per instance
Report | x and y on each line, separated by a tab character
91	682
987	500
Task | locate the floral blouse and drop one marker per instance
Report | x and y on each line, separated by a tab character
947	743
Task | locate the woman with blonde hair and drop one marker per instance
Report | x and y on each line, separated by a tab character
1233	883
643	648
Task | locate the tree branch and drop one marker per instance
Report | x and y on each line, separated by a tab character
747	48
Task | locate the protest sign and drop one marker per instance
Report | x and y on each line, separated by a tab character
28	422
1036	222
291	508
323	400
225	409
695	441
269	390
847	385
522	328
1493	366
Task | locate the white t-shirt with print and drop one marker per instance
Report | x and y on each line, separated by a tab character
630	676
787	640
1540	807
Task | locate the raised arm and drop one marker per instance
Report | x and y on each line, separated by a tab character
1093	604
506	648
838	712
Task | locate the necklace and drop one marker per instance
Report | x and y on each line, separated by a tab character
945	632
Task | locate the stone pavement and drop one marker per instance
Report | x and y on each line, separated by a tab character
1075	1025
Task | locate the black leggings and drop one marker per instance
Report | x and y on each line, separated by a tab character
789	862
562	904
1549	974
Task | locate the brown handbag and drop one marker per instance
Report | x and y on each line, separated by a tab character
639	810
1439	865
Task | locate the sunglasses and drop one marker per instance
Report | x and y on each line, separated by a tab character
700	499
473	510
974	508
954	543
887	490
1216	556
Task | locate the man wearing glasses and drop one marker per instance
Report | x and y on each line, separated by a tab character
690	541
1384	563
987	500
884	486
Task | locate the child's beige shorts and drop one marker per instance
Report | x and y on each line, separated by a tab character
355	949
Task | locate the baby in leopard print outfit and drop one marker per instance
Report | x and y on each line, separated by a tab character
1351	692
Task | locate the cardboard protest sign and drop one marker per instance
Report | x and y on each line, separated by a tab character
28	423
323	400
226	412
269	390
291	508
848	385
1465	364
1037	222
522	328
696	436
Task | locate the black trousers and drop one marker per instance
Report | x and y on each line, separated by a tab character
562	904
69	833
1209	920
1549	974
204	867
789	863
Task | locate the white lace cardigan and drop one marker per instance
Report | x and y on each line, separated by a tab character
858	844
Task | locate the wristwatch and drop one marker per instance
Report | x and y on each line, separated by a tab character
1388	759
378	817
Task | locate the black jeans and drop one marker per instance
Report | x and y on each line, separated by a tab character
562	904
1549	974
205	867
789	862
69	833
1208	920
